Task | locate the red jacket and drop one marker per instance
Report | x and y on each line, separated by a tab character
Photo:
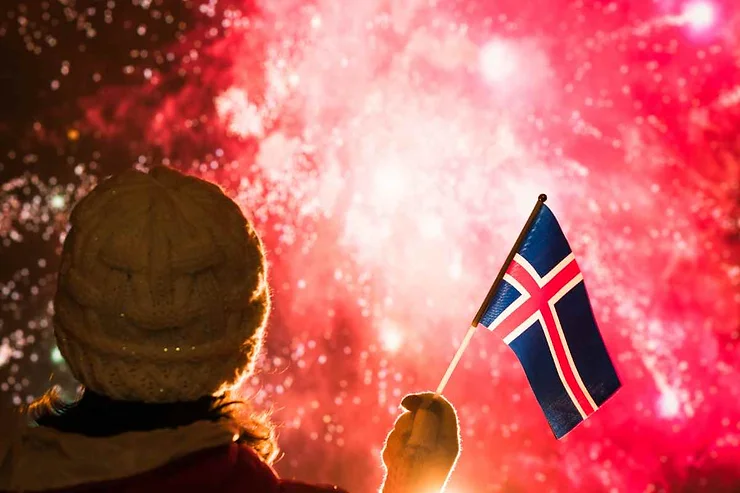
198	458
225	469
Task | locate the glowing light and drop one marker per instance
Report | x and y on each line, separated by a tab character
389	185
5	353
497	61
57	201
242	117
56	356
669	404
431	226
699	14
455	268
391	337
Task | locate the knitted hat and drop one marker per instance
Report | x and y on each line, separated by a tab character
162	293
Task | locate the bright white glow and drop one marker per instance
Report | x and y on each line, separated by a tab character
241	116
56	356
5	353
699	14
391	337
497	61
455	269
430	226
389	185
57	201
669	405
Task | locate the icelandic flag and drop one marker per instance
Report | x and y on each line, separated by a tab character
542	312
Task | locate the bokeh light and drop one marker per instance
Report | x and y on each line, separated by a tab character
391	337
700	14
498	61
389	153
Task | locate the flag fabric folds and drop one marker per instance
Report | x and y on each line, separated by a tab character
542	312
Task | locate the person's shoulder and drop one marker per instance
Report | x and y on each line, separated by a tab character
13	421
294	487
253	469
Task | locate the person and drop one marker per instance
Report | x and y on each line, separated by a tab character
160	313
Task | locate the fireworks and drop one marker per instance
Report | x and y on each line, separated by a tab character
389	154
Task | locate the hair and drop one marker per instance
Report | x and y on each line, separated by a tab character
95	415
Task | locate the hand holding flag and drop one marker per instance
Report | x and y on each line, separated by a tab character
423	447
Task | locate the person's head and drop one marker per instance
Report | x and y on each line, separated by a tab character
162	294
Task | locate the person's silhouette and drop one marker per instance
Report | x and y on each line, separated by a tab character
161	307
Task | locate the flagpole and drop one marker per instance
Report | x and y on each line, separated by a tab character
456	359
491	293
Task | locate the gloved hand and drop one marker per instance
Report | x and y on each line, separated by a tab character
423	446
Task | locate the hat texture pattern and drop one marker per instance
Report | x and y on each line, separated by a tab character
162	293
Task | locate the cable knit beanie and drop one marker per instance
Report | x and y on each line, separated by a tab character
162	292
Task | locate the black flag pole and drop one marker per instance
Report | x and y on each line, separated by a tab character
491	293
494	287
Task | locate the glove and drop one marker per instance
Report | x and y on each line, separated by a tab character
423	446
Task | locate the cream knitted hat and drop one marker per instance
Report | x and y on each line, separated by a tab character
162	293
